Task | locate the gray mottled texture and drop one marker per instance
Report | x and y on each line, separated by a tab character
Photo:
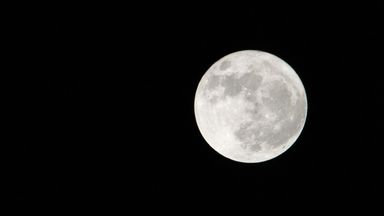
271	112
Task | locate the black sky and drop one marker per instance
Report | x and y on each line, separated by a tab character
113	122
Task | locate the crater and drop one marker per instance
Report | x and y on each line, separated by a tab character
251	97
287	130
278	97
271	68
251	81
244	132
250	137
231	85
225	65
254	110
214	99
255	147
213	82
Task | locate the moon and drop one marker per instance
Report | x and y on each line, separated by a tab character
250	106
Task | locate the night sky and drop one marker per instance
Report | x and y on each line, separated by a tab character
111	121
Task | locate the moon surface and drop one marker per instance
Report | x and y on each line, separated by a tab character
250	106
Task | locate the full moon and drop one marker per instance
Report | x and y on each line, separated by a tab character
250	106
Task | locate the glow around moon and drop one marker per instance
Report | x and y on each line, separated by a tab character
250	106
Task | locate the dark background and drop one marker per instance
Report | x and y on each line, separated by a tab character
104	116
